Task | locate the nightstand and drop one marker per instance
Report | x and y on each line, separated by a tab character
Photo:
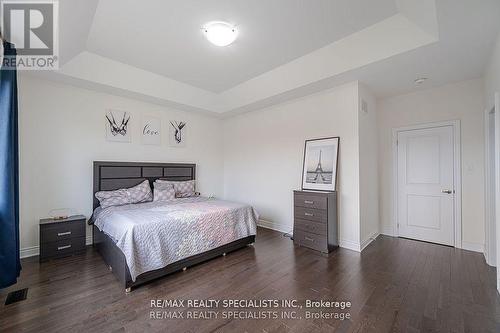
60	238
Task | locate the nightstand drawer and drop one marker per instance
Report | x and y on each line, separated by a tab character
62	248
310	226
310	240
317	215
310	201
61	231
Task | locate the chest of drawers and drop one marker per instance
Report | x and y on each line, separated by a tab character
315	220
59	238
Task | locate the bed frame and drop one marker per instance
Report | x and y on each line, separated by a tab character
115	175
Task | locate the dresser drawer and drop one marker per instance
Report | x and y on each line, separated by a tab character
61	231
62	248
310	226
311	214
310	201
310	240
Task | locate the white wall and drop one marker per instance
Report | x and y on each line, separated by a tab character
254	157
464	101
368	166
263	153
62	131
492	86
492	75
259	161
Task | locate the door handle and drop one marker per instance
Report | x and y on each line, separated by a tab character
447	191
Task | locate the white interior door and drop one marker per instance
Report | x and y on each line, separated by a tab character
425	166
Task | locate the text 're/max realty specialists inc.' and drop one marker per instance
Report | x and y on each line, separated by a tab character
178	309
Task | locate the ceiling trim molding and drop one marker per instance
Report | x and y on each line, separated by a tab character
413	27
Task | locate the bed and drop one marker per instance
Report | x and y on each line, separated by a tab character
143	242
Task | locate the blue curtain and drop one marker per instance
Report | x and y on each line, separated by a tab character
10	264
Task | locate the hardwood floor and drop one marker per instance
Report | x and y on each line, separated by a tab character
395	285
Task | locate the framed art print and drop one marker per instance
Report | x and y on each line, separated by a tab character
151	130
320	164
117	126
177	133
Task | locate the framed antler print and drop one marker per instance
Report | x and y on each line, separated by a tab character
320	164
117	126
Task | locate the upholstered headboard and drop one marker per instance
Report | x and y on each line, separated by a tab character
110	176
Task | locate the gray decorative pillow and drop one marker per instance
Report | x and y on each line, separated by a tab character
163	192
180	187
137	194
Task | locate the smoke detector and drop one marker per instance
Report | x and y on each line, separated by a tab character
420	80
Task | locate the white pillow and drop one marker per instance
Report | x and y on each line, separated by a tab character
163	192
137	194
182	188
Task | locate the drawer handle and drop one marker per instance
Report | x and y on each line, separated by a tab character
59	248
308	214
64	233
309	202
309	239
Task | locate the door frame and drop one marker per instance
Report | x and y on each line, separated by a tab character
457	175
490	188
496	110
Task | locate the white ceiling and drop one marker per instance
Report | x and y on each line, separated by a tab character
155	50
165	37
467	32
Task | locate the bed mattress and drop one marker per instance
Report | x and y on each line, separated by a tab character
155	234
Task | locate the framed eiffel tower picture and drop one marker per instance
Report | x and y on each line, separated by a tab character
320	164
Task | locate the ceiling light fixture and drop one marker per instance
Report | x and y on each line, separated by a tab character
420	80
220	33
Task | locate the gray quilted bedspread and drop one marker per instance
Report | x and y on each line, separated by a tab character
155	234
